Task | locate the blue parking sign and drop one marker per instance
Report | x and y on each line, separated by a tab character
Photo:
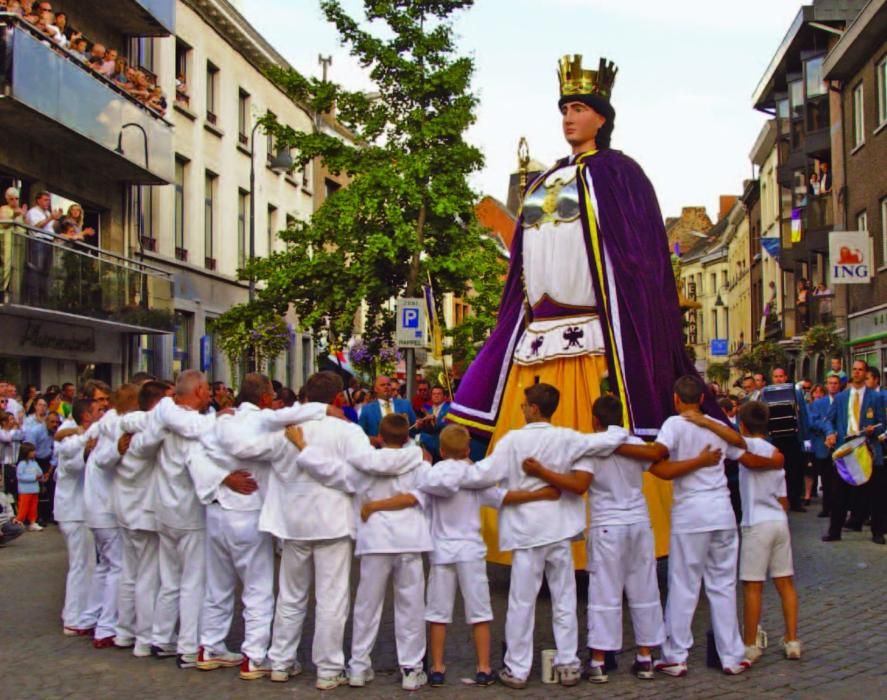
410	317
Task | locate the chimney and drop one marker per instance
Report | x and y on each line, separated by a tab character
726	202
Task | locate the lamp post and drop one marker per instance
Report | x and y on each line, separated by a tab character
119	148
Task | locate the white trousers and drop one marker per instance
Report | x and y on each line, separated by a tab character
81	557
328	564
106	578
409	609
555	562
440	596
235	549
139	582
182	573
621	558
693	558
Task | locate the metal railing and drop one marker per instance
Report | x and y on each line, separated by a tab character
54	273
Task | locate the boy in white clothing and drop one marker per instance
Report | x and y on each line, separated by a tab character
392	542
704	541
621	555
540	534
766	542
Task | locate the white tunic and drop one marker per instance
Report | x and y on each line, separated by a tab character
68	505
760	489
297	506
701	501
99	474
375	475
454	513
132	488
559	449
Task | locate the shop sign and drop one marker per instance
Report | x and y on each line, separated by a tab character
850	257
42	335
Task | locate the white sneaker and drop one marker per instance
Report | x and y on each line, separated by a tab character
34	527
124	642
413	678
282	675
741	667
676	669
141	650
210	660
330	682
252	671
792	649
359	680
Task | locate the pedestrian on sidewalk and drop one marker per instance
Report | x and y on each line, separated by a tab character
29	475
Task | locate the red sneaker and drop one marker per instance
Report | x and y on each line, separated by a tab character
103	643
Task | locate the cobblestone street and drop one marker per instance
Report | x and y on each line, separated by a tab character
843	627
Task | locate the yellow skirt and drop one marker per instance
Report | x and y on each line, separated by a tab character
579	381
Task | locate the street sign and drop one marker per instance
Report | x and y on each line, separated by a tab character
410	322
206	353
719	347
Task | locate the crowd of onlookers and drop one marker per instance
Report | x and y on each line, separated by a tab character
105	61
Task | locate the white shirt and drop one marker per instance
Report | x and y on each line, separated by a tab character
99	474
616	496
454	513
297	506
372	476
36	215
132	488
700	499
232	445
759	489
559	449
68	505
9	445
178	429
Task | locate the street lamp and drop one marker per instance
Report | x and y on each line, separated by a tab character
119	148
282	163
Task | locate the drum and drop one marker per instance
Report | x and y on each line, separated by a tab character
782	401
854	460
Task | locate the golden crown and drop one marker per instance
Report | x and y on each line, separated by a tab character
576	81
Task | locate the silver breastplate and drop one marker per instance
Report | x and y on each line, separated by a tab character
556	201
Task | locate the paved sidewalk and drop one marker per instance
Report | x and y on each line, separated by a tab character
843	609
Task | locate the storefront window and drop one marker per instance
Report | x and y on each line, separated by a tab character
181	356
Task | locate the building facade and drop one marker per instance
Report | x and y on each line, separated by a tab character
857	67
71	311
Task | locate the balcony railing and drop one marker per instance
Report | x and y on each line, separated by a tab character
819	213
48	89
817	311
52	275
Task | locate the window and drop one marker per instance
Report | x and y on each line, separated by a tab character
179	224
331	187
272	227
881	90
241	227
858	117
814	83
141	52
209	188
862	221
269	142
181	356
145	212
714	283
212	80
796	98
306	176
183	59
243	121
884	231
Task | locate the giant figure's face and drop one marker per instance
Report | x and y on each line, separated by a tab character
580	123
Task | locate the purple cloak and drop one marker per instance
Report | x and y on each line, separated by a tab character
642	308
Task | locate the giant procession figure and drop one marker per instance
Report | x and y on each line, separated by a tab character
590	303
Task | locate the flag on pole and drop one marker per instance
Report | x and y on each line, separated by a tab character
433	322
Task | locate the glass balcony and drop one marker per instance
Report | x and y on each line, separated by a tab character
819	214
56	278
51	97
130	17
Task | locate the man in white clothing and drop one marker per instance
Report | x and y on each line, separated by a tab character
100	516
130	500
236	548
317	526
539	534
72	452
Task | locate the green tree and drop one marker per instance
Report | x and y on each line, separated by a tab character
762	357
718	372
408	210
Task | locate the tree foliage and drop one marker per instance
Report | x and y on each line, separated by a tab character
246	331
718	372
762	357
408	210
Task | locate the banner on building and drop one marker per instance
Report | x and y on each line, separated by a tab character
851	257
796	225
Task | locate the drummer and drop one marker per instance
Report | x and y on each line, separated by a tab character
858	410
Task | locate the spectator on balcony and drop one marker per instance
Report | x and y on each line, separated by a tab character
157	101
825	178
78	48
42	216
109	63
181	88
61	21
12	210
141	89
97	56
121	70
813	187
75	215
14	7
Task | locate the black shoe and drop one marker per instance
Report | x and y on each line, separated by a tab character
806	501
798	509
436	679
853	527
879	539
481	678
831	538
823	514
